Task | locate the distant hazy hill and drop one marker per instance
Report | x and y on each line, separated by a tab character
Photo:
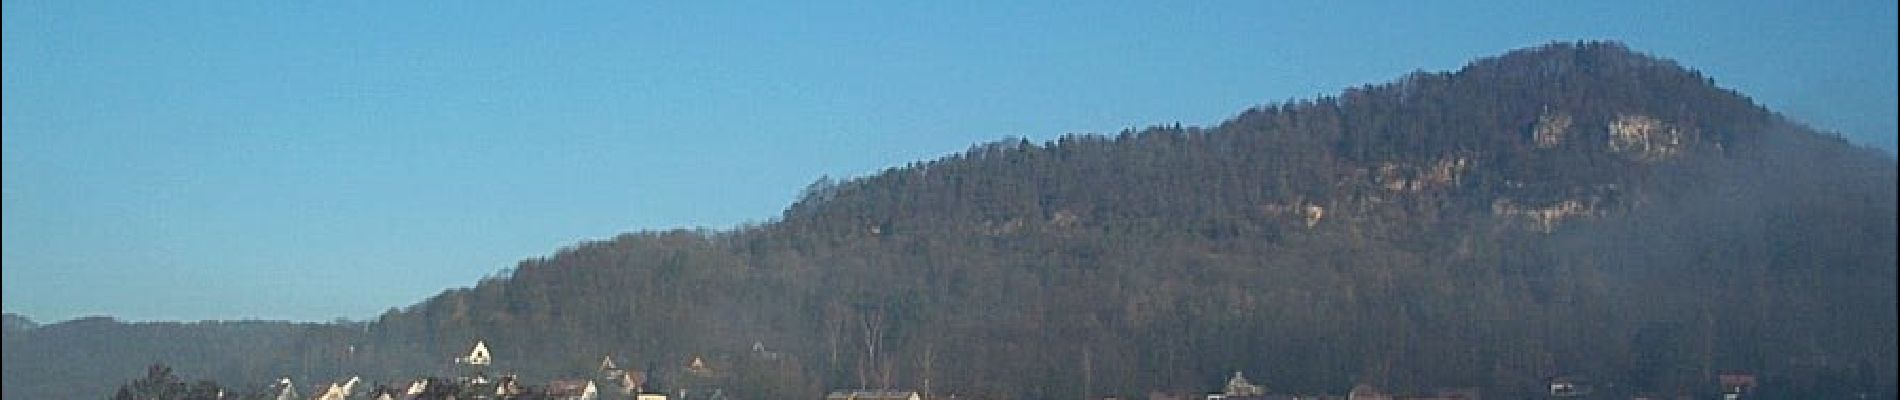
1571	209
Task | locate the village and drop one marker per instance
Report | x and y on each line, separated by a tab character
612	382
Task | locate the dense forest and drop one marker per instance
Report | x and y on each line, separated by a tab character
1574	209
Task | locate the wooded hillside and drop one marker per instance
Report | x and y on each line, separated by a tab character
1571	209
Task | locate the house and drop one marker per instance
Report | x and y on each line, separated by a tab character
285	389
1736	384
621	381
339	391
417	388
1568	387
508	386
479	379
629	382
873	395
698	367
609	371
758	349
382	392
635	379
1366	392
573	389
478	356
1239	387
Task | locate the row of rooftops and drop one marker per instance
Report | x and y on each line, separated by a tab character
1733	385
621	384
631	383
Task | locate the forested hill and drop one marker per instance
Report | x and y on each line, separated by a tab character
1572	209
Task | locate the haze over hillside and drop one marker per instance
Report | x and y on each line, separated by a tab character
1570	209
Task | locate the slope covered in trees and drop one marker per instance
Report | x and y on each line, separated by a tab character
1570	209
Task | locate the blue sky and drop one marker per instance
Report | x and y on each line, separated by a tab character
317	160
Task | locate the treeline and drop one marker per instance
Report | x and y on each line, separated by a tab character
1572	209
160	384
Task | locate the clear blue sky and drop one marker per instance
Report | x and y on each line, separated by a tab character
316	160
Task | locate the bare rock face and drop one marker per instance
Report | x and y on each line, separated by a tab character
1646	138
1442	173
1545	218
1308	213
1312	214
1551	129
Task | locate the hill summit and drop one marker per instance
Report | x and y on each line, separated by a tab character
1574	209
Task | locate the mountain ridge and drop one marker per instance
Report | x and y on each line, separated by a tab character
1459	212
